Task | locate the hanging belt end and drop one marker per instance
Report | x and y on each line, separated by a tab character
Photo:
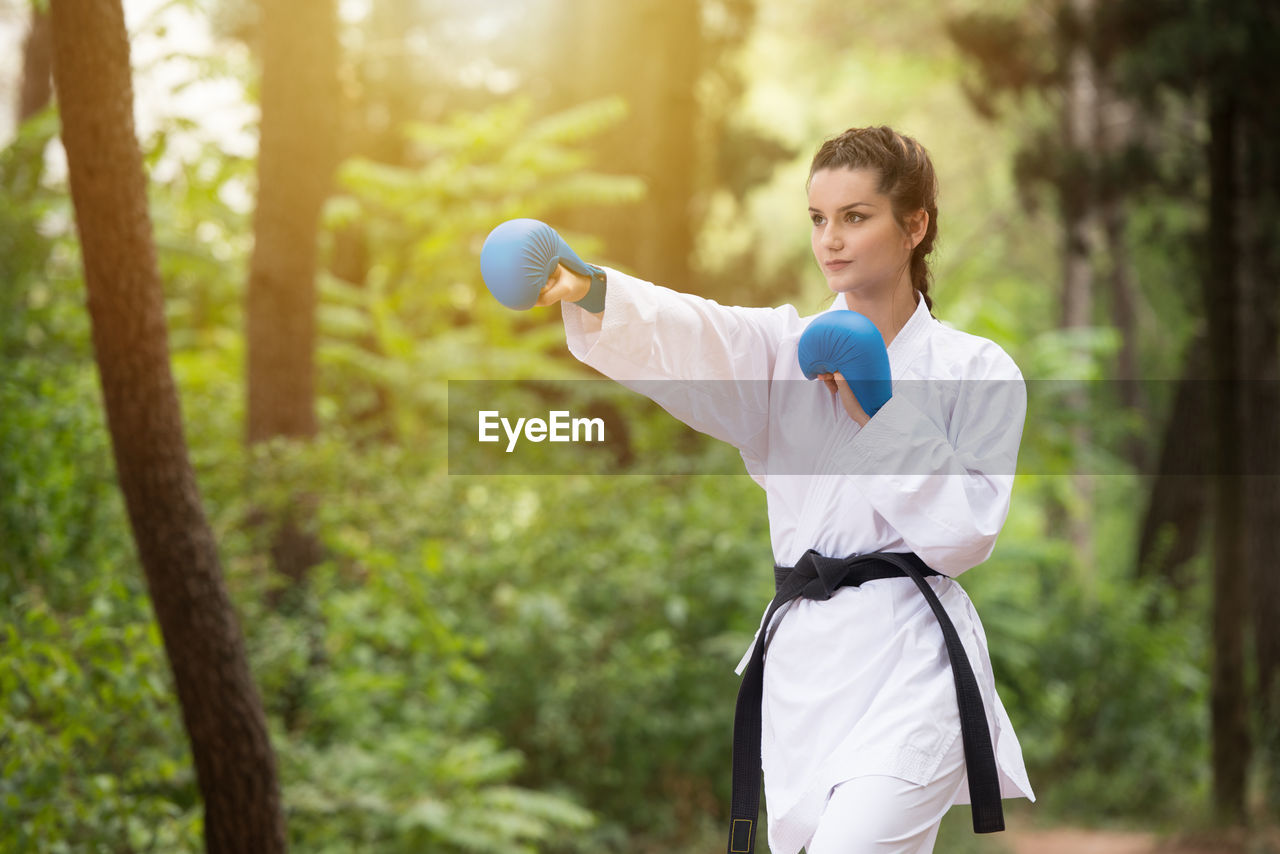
989	819
742	836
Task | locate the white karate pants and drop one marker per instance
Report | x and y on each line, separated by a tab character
887	815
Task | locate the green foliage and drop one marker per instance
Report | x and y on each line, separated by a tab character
40	286
1130	696
613	613
93	747
421	313
90	735
1104	676
59	518
202	238
382	746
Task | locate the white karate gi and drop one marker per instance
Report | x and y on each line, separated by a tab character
859	684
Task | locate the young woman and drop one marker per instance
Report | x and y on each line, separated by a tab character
861	739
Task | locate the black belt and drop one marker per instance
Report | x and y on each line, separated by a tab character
817	577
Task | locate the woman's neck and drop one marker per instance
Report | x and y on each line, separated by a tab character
889	312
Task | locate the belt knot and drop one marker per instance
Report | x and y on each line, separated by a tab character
814	576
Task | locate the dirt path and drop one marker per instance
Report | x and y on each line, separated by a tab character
1069	840
1073	840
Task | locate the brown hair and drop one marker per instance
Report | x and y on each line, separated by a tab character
906	177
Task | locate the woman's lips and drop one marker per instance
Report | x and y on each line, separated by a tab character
836	265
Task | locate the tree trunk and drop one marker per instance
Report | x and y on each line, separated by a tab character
615	51
1228	702
1243	306
1123	298
37	61
671	167
1117	121
1262	506
1079	121
221	708
1178	502
296	157
1258	181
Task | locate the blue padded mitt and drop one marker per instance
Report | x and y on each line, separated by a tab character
521	254
846	341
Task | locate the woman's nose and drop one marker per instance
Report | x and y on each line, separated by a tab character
831	237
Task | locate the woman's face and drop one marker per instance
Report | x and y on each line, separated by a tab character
856	238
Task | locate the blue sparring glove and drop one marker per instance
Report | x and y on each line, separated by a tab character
845	341
521	254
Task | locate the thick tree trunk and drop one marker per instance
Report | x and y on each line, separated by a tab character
1244	315
297	153
221	708
1228	702
296	157
1262	503
1262	497
1258	179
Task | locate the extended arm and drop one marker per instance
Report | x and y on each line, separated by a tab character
708	365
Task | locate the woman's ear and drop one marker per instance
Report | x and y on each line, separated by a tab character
917	225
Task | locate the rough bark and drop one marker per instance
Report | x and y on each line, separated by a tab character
221	709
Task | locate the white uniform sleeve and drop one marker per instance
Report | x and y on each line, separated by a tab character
708	365
944	483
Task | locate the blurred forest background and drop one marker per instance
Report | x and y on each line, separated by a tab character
417	661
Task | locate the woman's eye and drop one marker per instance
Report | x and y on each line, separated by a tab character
817	219
853	217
